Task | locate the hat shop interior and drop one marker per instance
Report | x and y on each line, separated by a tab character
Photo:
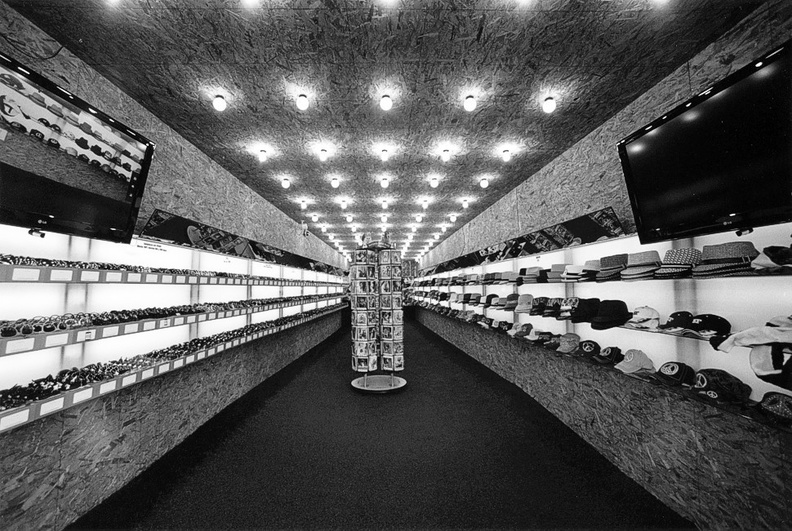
553	237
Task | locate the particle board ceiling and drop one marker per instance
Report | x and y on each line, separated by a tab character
592	56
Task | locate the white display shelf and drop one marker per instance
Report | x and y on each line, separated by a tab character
60	275
21	415
41	341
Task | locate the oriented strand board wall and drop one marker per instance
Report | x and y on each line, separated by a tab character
588	176
718	469
182	180
56	469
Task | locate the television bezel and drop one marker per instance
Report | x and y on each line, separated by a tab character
53	225
741	225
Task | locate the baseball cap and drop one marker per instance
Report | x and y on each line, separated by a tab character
676	373
778	405
511	301
677	322
721	386
538	305
634	361
585	311
611	313
524	303
491	300
644	318
609	356
475	299
707	325
568	343
553	308
516	328
588	348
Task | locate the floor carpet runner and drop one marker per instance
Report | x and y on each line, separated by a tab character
458	447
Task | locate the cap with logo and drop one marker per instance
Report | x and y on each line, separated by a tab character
568	306
608	356
553	308
707	325
568	343
721	386
635	361
677	323
676	373
611	313
644	318
588	348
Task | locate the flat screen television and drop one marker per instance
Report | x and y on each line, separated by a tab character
65	166
720	161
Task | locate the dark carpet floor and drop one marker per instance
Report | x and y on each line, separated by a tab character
459	447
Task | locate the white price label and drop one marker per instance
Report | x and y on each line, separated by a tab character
89	276
82	396
134	277
61	275
113	277
52	405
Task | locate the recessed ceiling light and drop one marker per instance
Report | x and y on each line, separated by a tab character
443	228
384	182
315	218
384	155
285	182
506	155
349	218
436	236
354	228
384	204
331	237
302	102
433	182
484	182
262	156
425	204
334	182
465	203
303	204
219	103
549	104
453	218
343	204
386	103
384	218
323	154
418	218
445	156
470	103
414	228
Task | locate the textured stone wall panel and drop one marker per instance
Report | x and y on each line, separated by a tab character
182	179
58	468
716	468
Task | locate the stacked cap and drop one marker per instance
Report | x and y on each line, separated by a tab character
511	302
538	306
520	330
585	311
611	267
644	318
721	386
508	277
491	300
726	259
590	270
553	308
677	323
678	263
641	266
572	273
611	313
608	356
568	306
472	279
568	343
676	373
475	299
532	275
635	361
524	304
706	326
555	272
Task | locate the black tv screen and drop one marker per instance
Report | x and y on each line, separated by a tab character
65	166
720	161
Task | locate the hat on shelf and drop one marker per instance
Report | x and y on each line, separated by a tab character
608	356
644	318
568	306
676	373
721	386
678	263
635	361
475	299
677	323
553	308
778	405
572	273
706	326
641	265
585	311
726	259
611	266
524	303
588	348
509	277
568	343
538	306
472	279
611	313
491	300
511	301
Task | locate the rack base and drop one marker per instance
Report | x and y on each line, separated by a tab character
379	383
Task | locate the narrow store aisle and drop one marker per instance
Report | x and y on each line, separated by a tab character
458	448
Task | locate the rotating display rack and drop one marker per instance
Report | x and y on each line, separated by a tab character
377	318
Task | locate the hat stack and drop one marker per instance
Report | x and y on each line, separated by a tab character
641	266
644	318
524	304
508	277
475	299
572	273
568	306
590	270
472	279
533	275
585	311
553	308
520	330
726	260
511	302
555	272
611	313
538	305
491	300
611	267
678	263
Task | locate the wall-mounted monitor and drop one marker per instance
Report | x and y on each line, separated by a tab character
65	166
720	161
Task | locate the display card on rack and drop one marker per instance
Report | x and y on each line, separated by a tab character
398	333
360	348
398	363
373	317
386	317
372	363
360	334
385	286
398	317
387	348
397	300
361	302
387	332
398	348
361	318
386	301
387	363
385	271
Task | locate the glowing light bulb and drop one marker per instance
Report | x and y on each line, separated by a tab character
453	218
219	103
445	156
484	183
433	182
315	218
323	155
384	205
354	228
470	103
549	105
443	228
334	182
506	155
384	155
386	103
418	218
349	218
465	203
414	229
343	204
384	182
384	218
324	228
262	156
302	102
425	204
285	182
436	236
303	205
